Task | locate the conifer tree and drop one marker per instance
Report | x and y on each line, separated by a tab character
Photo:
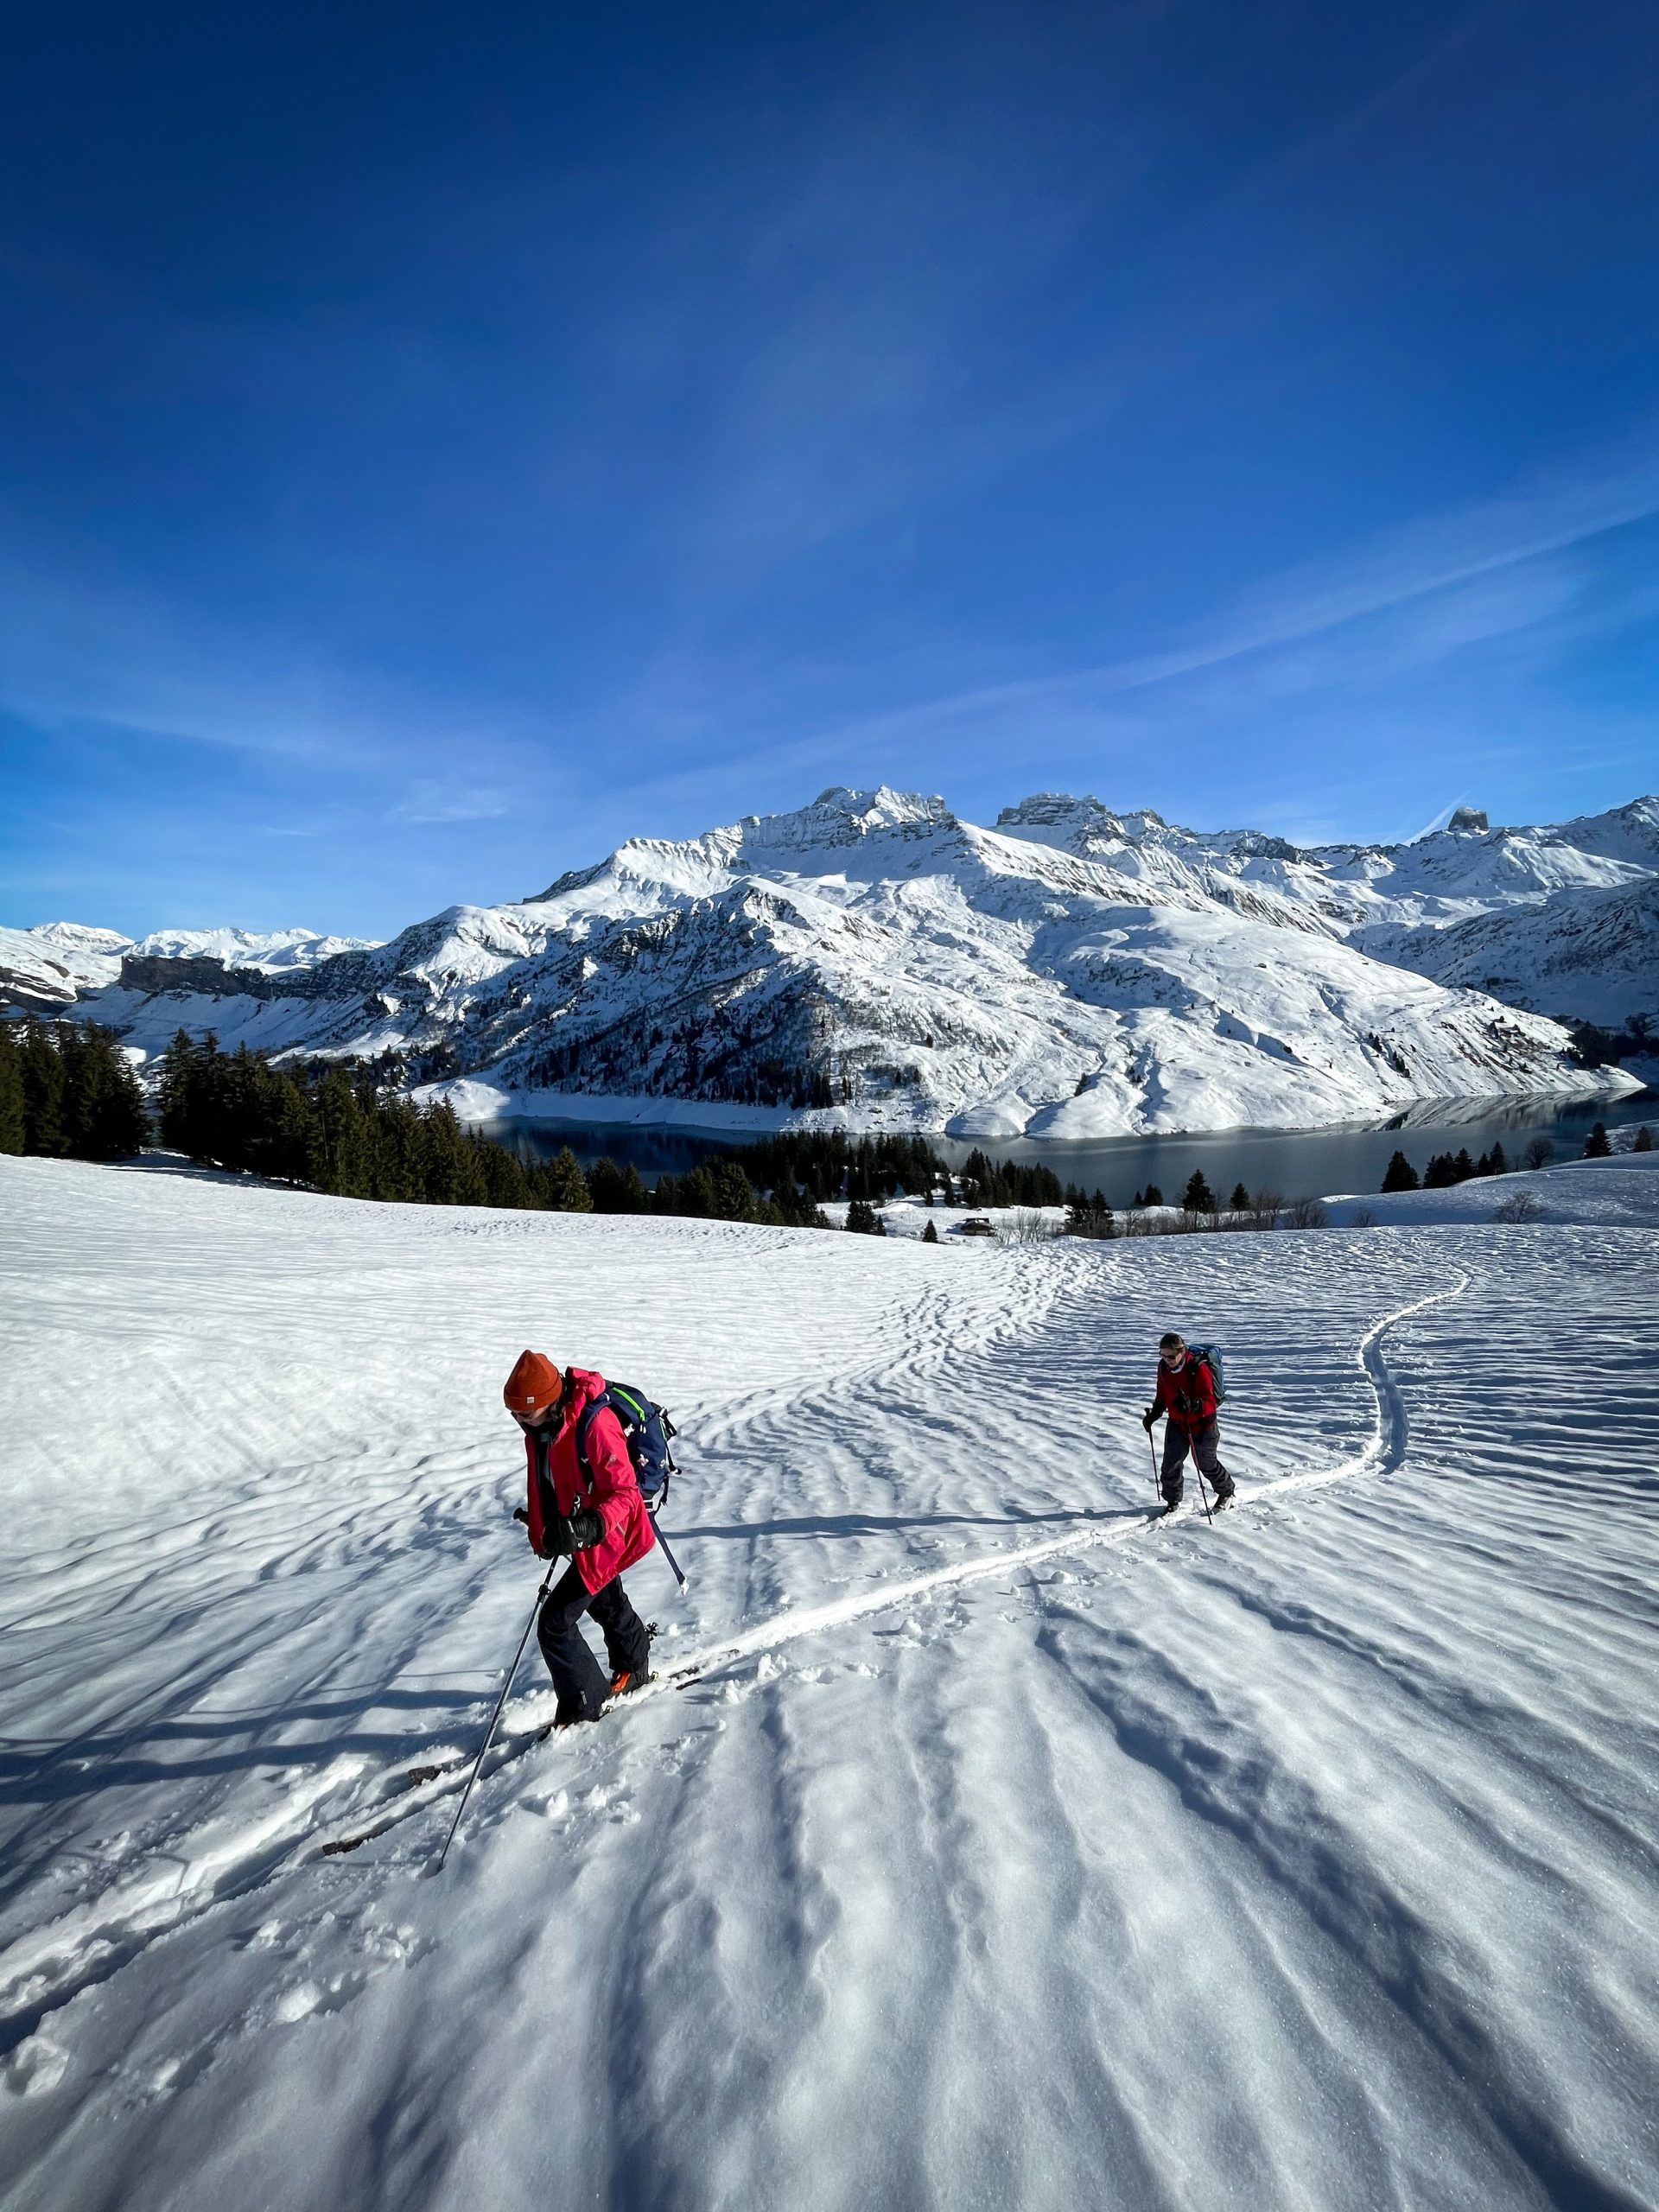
400	1153
339	1161
104	1116
1644	1141
692	1195
1400	1174
1239	1201
502	1174
616	1190
173	1091
454	1176
1198	1198
562	1186
1596	1146
929	1235
42	1073
13	1119
733	1193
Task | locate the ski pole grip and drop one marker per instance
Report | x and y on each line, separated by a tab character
519	1513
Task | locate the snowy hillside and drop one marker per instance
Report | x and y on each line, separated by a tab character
1557	919
270	952
982	1843
1592	954
874	959
45	970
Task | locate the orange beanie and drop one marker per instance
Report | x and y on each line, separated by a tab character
533	1385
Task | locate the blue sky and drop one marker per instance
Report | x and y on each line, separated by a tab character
437	443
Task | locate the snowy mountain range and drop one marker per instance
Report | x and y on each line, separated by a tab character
873	959
52	967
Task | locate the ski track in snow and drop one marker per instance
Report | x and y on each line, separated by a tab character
890	1421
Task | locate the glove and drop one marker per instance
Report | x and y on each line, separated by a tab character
566	1532
1147	1418
574	1532
585	1527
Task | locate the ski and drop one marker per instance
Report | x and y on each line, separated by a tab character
452	1771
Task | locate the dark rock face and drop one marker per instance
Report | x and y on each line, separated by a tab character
150	972
1469	822
346	974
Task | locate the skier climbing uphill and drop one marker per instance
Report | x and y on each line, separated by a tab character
585	1505
1186	1392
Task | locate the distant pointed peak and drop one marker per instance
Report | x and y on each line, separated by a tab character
879	809
842	816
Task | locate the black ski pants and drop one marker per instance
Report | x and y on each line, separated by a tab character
582	1684
1204	1442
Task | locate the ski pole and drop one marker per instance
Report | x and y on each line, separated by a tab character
489	1734
669	1555
1153	1448
1204	1495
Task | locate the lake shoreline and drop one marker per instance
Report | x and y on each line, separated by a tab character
1298	1162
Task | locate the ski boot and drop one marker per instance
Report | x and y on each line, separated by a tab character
624	1679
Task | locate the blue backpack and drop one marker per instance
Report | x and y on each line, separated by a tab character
646	1428
1210	1356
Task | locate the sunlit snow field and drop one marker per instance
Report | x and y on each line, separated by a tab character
1005	1850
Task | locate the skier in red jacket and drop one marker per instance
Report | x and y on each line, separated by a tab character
1186	1392
585	1505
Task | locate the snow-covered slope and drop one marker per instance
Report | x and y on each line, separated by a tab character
45	970
874	958
984	1845
1557	919
271	951
1593	956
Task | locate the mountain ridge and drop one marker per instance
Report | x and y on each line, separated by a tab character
875	959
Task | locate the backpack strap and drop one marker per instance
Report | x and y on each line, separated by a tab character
546	1496
622	1406
617	1397
584	1420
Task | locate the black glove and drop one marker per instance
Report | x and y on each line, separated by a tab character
566	1533
1147	1418
573	1532
586	1526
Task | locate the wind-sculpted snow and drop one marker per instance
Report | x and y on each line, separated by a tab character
993	1844
873	961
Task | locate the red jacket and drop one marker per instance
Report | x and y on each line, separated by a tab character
608	1485
1189	1398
